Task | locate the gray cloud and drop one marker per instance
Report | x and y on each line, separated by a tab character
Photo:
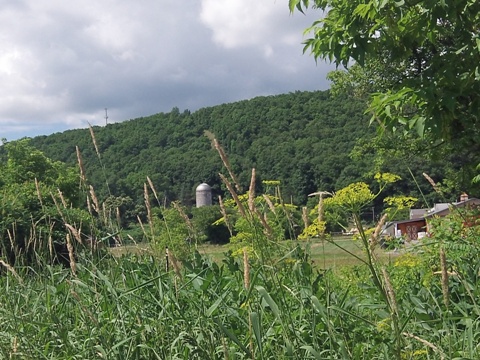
61	64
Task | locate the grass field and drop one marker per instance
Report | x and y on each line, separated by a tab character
335	253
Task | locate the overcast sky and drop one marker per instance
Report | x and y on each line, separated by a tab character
62	62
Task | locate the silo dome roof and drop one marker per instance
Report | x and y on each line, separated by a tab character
203	187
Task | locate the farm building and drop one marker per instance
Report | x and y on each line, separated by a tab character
417	226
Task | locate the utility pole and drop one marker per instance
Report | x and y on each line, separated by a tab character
106	117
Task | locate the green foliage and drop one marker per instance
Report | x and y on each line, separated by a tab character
353	198
314	134
266	221
174	228
204	221
416	63
130	307
457	233
432	46
38	200
399	206
171	230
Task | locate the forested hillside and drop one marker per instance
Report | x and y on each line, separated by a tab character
303	139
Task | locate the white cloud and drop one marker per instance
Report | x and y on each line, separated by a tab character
238	22
62	64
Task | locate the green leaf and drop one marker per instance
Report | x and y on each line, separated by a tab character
271	303
215	305
232	337
257	331
312	351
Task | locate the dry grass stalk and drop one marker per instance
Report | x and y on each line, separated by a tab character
106	215
390	292
71	256
50	242
226	162
240	206
14	347
320	203
141	225
89	206
92	134
225	215
118	217
33	238
146	197
225	349
39	194
246	270
167	261
11	270
11	238
306	220
430	180
150	183
60	194
74	232
263	221
57	206
320	209
426	343
376	234
175	264
96	205
191	229
83	178
444	270
251	192
269	203
132	239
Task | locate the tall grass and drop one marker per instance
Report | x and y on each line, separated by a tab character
275	306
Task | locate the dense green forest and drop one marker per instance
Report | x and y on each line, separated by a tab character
303	139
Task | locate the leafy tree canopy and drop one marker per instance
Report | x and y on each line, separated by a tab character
422	58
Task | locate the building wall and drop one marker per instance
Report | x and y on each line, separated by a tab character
411	229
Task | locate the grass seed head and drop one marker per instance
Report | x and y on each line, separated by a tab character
226	163
269	203
444	270
230	188
246	270
390	292
73	264
306	220
251	192
96	205
376	234
11	270
94	140
430	180
39	194
150	183
223	210
83	178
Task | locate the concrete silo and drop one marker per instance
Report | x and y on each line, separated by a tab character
203	195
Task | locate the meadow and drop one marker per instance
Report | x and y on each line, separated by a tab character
66	295
314	302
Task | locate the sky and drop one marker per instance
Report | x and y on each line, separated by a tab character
62	63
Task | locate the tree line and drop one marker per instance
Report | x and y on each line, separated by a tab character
309	141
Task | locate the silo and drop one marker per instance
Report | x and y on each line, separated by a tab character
203	195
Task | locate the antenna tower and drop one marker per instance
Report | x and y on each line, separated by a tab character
106	116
